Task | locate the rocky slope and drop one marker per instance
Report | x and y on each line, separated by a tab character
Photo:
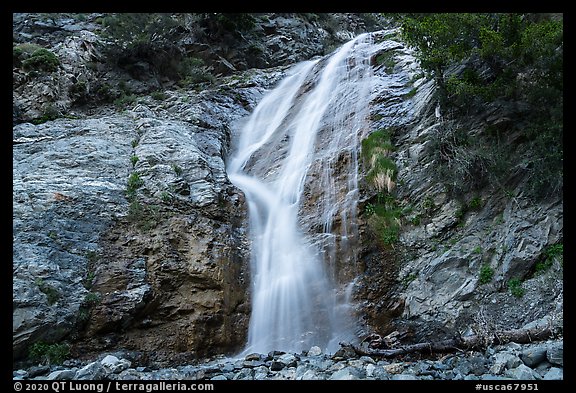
128	234
127	231
533	362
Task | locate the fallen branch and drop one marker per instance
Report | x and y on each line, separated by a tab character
520	336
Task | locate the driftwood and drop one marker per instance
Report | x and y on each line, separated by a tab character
520	336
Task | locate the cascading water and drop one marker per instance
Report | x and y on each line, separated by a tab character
296	163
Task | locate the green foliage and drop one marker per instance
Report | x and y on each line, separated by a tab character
134	182
134	159
132	29
92	299
192	70
124	100
158	95
513	58
408	279
486	274
550	254
387	59
411	93
52	294
177	169
145	217
41	59
89	280
49	353
50	113
477	250
515	287
166	197
381	169
384	219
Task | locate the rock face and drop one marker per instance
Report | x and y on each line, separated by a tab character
127	232
464	261
168	263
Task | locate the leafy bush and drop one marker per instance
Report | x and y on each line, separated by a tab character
134	182
478	59
41	60
515	287
486	274
49	353
550	253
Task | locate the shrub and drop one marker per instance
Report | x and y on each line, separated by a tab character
134	183
49	353
384	219
92	299
41	60
550	254
515	287
486	274
158	95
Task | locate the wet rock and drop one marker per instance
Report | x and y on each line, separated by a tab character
37	370
62	375
504	361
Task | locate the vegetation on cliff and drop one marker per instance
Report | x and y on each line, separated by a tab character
511	61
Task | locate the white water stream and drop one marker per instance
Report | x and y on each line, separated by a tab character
302	140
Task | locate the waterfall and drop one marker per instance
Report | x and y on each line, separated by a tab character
295	159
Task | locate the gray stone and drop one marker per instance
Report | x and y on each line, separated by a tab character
276	366
347	373
522	372
253	356
503	361
555	373
61	375
315	351
114	365
260	373
404	377
35	371
220	377
534	356
555	353
93	370
309	375
288	359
